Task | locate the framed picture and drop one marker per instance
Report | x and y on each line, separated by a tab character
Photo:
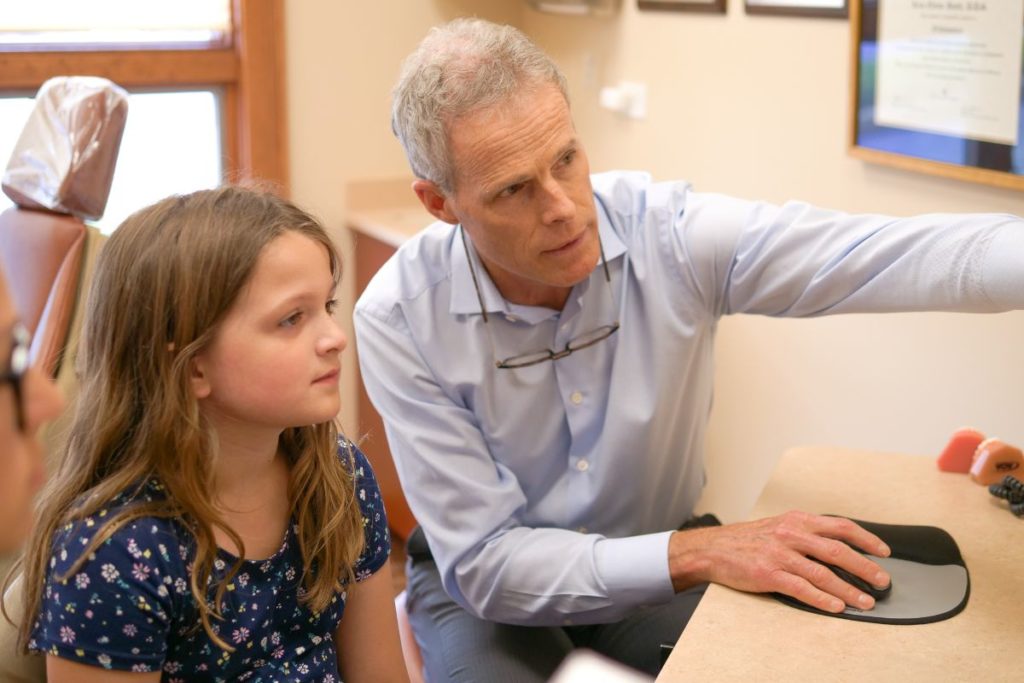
807	8
935	88
713	6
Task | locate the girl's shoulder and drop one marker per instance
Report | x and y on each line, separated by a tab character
356	464
125	532
350	455
377	538
116	581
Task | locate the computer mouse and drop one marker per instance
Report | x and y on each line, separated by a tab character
859	583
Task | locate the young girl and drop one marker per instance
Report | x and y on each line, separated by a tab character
206	522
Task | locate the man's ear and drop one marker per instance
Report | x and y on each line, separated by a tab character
434	200
197	378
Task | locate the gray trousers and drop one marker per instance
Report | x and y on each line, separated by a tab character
458	647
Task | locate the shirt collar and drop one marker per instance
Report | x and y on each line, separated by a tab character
463	297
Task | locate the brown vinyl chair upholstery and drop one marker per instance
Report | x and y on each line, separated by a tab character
41	256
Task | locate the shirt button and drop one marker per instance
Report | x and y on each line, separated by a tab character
576	398
511	318
567	622
582	465
581	529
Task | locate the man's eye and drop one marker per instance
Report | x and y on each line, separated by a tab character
511	190
569	158
330	306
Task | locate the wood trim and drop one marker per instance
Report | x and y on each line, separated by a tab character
231	137
969	173
129	69
851	105
260	92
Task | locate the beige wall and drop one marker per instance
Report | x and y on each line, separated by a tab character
342	59
751	106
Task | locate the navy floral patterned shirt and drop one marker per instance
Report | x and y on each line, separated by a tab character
130	608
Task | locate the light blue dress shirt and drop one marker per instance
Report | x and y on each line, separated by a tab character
548	493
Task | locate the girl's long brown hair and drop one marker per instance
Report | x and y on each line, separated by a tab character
164	280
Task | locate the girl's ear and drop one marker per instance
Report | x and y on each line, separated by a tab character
197	378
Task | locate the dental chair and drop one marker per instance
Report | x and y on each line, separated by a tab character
59	176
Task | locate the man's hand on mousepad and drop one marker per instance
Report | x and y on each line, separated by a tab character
930	581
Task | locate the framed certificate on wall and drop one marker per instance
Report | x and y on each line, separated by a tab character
936	87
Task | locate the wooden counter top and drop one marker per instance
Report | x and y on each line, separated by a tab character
736	636
392	226
386	210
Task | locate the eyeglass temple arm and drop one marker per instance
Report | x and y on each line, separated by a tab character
472	271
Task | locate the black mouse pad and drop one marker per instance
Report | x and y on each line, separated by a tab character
929	578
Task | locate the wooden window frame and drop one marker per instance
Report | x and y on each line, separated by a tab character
250	73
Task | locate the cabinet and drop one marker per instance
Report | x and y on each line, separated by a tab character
376	234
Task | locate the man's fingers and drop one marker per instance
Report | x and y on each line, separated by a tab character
843	529
839	553
827	582
828	540
806	592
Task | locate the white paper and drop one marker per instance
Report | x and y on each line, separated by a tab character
585	666
950	66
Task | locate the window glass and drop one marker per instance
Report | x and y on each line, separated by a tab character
114	22
171	145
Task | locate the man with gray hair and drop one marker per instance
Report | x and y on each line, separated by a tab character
542	360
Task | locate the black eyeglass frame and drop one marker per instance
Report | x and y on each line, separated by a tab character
537	357
17	367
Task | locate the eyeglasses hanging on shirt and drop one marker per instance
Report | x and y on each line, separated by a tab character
535	357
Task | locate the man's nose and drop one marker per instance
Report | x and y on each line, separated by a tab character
559	206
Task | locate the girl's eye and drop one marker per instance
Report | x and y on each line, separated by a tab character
330	306
292	320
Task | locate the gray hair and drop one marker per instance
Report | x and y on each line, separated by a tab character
462	66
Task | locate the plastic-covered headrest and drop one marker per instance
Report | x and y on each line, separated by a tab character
64	160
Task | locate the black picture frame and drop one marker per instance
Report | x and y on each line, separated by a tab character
825	8
709	6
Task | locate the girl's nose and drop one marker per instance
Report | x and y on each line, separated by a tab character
334	339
